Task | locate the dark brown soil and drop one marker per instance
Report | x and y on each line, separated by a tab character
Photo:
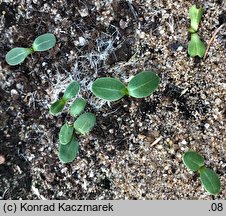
117	160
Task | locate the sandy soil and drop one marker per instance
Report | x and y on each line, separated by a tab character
135	150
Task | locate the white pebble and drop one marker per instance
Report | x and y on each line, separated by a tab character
207	125
14	92
183	142
180	48
82	41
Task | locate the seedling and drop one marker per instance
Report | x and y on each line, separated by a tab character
57	107
70	92
141	85
17	55
109	89
209	179
67	153
85	123
195	47
195	17
77	107
68	143
42	43
66	134
193	160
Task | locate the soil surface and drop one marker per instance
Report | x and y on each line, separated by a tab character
135	150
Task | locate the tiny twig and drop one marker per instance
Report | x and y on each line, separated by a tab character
212	39
156	141
133	10
36	192
5	192
183	92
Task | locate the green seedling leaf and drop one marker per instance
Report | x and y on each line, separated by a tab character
77	107
57	107
196	47
71	91
109	89
210	180
195	17
67	153
44	42
143	84
85	123
193	160
17	55
66	134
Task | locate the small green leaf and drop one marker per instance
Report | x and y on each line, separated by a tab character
67	153
66	134
210	180
193	160
44	42
57	107
71	91
77	107
196	47
17	55
109	89
85	123
195	17
143	84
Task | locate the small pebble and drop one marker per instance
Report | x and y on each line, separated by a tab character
2	159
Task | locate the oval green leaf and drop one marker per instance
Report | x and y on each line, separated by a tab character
143	84
44	42
77	107
193	160
66	134
196	47
210	180
67	153
17	55
85	123
195	15
109	89
71	91
57	107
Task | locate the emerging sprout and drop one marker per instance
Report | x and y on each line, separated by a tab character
42	43
67	153
66	134
69	146
77	107
209	178
85	123
57	107
195	17
70	92
141	85
196	47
